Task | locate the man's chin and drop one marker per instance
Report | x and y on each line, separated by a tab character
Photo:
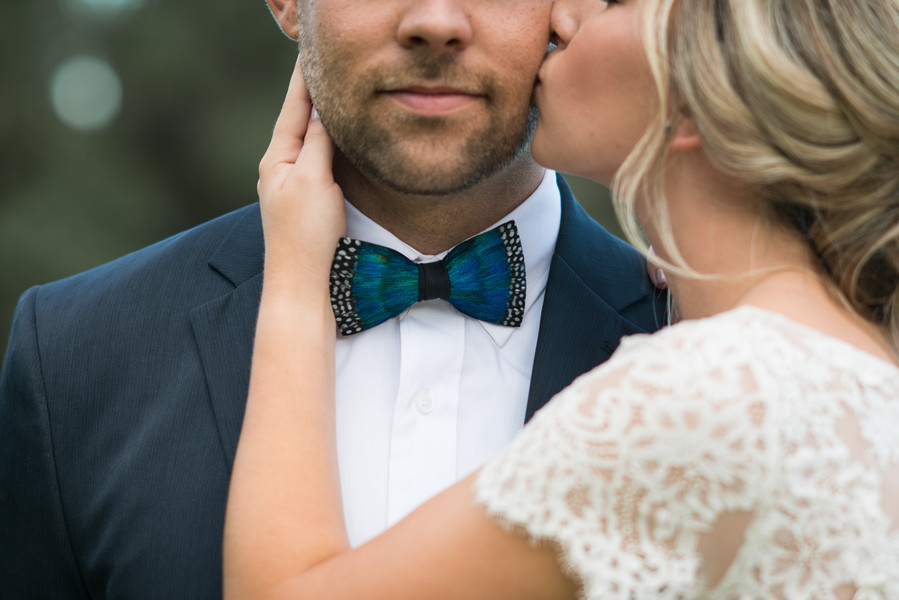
424	170
424	180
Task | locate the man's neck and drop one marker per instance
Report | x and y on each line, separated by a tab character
434	223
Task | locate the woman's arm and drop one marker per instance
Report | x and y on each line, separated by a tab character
284	530
445	550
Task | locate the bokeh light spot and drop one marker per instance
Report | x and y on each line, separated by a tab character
105	7
86	93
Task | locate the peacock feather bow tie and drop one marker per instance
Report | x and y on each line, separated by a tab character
482	277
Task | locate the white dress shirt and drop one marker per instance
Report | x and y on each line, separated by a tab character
427	397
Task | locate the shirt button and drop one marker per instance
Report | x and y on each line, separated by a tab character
425	403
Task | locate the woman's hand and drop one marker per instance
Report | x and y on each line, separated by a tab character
302	206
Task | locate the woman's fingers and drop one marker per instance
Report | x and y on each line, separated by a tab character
314	164
290	129
312	180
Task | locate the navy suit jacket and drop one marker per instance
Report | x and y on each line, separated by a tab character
123	390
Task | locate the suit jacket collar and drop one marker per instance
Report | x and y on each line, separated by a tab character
240	256
225	326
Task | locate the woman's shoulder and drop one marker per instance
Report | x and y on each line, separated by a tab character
714	397
679	397
630	465
655	435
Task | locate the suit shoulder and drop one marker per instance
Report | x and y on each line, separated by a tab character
174	267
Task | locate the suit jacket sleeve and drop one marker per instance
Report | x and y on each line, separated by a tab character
36	558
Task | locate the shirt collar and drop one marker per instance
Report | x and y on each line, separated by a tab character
537	219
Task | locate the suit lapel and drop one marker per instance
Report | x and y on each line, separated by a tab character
580	324
224	327
578	330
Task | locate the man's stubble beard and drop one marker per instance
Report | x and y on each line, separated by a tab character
374	144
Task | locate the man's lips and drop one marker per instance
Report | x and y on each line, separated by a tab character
433	100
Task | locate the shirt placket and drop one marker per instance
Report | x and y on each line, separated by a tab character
424	435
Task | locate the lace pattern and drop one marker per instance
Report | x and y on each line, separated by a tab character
695	464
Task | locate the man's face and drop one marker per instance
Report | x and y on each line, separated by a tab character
425	96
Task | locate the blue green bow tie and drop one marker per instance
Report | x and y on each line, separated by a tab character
482	277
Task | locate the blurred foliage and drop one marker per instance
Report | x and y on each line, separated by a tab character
202	85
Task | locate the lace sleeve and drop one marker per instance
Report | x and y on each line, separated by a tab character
627	468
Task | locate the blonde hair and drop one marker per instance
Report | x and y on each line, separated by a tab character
800	100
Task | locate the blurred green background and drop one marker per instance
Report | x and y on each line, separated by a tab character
125	121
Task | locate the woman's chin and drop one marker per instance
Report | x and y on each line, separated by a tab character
559	157
539	151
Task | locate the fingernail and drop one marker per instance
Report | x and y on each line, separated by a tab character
660	277
314	116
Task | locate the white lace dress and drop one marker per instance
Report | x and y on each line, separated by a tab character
743	456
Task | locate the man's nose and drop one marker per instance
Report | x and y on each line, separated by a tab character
435	25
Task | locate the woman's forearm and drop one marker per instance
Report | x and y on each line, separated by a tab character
284	511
